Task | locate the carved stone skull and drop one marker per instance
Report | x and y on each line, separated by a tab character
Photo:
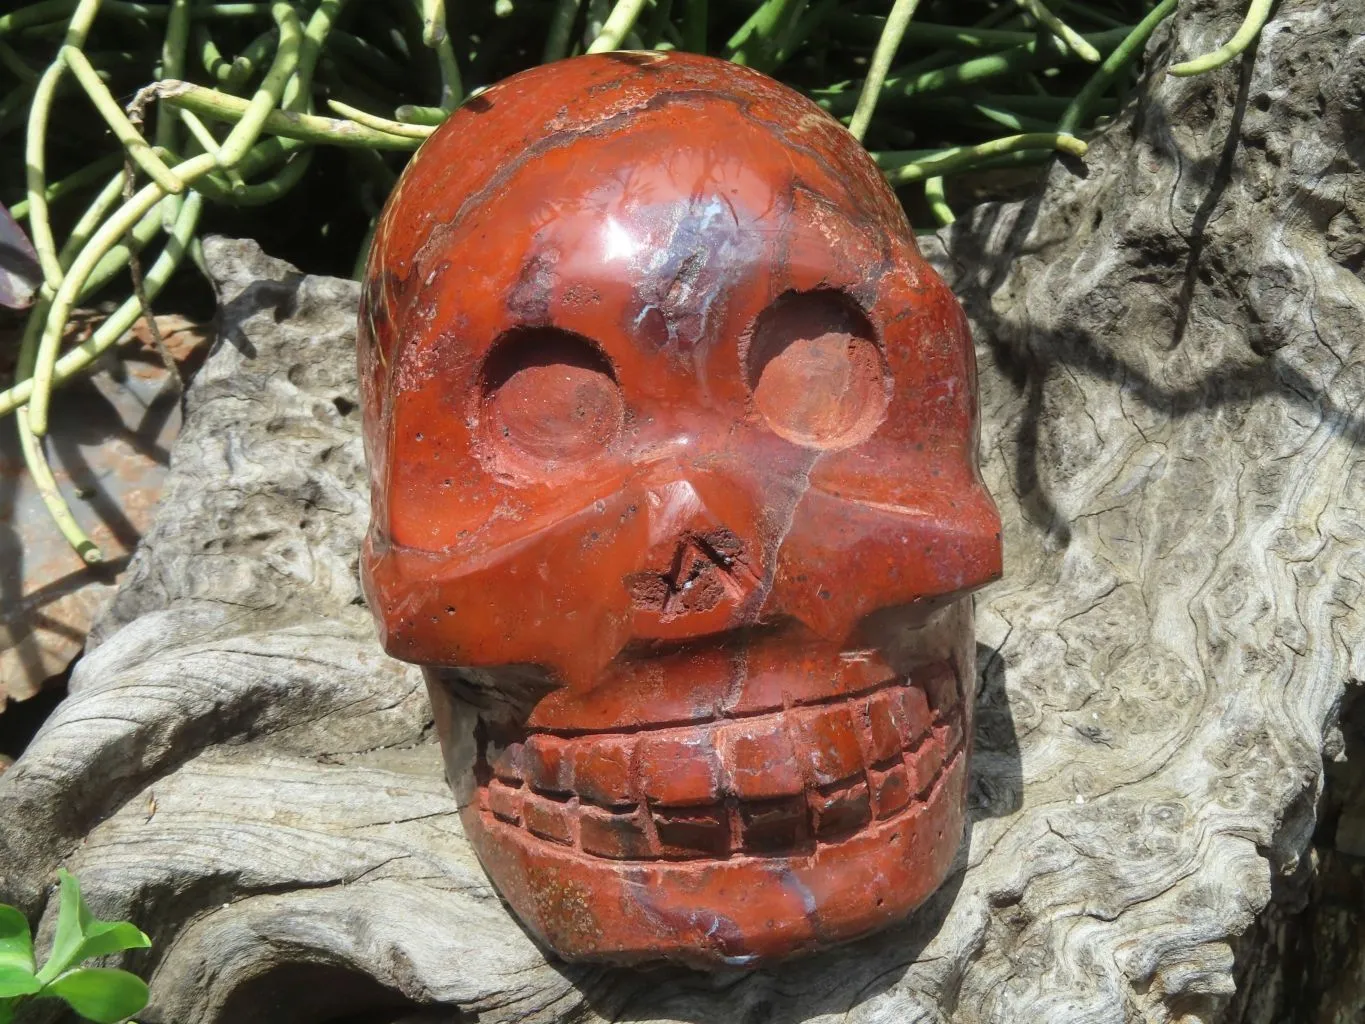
673	450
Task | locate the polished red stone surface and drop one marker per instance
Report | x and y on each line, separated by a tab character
673	452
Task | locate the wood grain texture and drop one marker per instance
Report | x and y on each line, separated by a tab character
1172	377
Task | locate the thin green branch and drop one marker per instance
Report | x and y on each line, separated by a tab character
118	257
35	166
172	66
244	134
31	448
658	30
121	253
1257	15
561	30
81	21
380	124
412	114
617	26
695	26
204	10
1009	119
254	55
35	14
298	91
901	13
1092	12
598	13
748	43
104	239
1078	111
773	51
960	158
46	483
57	10
72	363
269	153
295	156
262	192
1036	53
87	175
1074	41
35	159
924	33
1019	158
368	58
305	127
433	23
362	257
217	66
199	131
436	36
123	129
209	143
452	82
937	198
95	213
16	65
801	29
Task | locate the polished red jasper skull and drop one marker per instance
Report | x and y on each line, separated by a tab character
673	451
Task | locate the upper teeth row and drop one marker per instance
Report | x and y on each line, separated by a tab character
766	781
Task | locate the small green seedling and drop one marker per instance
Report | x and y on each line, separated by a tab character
101	994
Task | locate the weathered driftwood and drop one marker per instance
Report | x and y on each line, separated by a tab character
1172	376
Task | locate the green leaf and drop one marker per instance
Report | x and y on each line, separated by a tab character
16	944
7	1010
73	918
102	994
105	937
16	981
81	935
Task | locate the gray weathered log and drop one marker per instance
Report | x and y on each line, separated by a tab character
1172	376
1304	959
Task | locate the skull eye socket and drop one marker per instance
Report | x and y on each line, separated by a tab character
549	396
815	370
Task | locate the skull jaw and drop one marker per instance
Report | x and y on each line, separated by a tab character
738	912
573	866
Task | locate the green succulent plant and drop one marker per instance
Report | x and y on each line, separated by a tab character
103	994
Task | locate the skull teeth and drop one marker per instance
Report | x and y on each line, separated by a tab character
759	785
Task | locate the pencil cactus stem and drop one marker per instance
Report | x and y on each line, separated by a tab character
1257	15
896	23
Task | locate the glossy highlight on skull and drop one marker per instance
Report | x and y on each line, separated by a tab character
672	443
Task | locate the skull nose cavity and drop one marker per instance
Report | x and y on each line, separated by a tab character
698	572
706	569
815	372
